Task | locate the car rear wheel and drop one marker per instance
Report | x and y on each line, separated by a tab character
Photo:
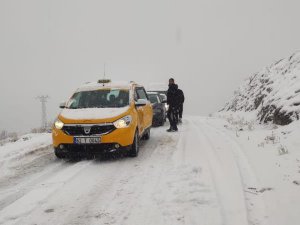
134	151
147	134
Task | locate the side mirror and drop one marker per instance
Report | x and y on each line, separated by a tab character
62	105
141	102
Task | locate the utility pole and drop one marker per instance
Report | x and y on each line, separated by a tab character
43	100
104	71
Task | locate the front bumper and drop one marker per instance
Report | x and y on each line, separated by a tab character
90	149
123	137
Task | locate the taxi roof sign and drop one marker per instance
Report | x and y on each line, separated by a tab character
104	81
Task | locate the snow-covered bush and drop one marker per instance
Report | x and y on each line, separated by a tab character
237	121
282	150
273	139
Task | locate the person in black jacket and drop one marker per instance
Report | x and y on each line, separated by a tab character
173	100
180	107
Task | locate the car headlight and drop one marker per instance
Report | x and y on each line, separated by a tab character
123	122
58	124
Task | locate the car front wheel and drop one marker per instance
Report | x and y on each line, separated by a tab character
135	146
59	154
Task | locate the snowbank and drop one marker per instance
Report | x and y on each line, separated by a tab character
11	153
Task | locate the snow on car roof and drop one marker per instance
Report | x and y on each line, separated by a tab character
90	86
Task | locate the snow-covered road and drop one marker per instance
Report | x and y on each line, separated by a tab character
199	175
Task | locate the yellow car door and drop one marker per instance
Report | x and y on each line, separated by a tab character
140	114
145	111
148	115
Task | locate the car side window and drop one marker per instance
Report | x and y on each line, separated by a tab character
141	93
135	95
158	99
161	98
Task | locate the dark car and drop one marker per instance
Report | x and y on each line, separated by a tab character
159	109
163	98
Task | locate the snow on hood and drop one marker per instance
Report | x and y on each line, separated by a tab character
93	113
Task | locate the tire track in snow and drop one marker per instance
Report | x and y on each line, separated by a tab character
255	204
158	191
25	180
190	155
10	161
27	174
182	194
23	206
136	193
102	181
168	183
223	168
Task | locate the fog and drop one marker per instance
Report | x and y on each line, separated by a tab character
51	47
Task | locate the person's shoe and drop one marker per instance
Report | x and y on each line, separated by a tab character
180	121
169	130
172	130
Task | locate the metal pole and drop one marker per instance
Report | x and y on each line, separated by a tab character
43	100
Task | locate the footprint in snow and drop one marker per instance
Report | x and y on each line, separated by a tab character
297	182
49	210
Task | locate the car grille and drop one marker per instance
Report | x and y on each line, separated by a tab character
82	129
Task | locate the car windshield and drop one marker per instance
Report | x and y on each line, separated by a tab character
153	98
104	98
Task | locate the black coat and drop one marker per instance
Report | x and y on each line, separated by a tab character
180	96
174	98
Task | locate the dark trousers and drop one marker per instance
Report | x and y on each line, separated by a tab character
180	110
173	117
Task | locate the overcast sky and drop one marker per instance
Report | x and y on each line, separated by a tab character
50	47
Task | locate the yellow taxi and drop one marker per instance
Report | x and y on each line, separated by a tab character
103	116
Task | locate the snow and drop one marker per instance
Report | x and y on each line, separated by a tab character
90	86
214	171
273	93
274	155
93	113
29	144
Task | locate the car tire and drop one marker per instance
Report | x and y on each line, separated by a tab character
134	150
59	154
147	134
162	122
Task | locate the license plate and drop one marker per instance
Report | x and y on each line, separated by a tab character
87	140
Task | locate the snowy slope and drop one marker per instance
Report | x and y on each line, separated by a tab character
273	94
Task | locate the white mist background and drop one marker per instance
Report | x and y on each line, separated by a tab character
52	47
